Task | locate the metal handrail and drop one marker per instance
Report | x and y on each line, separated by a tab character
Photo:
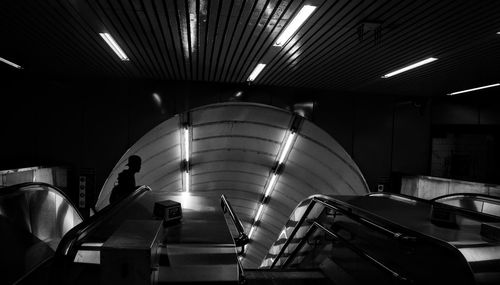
68	242
242	238
322	199
473	195
13	189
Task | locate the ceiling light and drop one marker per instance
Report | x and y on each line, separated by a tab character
256	71
474	89
10	63
295	24
412	66
114	46
287	148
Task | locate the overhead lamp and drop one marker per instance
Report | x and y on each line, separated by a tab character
10	63
474	89
411	66
256	71
286	148
295	24
114	46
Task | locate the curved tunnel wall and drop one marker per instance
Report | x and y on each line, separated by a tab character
234	146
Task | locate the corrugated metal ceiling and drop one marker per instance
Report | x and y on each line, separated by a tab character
344	46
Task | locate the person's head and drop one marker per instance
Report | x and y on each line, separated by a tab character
134	163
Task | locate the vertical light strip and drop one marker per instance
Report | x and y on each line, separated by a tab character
259	212
114	46
304	13
185	140
287	148
252	230
186	143
270	185
186	181
10	63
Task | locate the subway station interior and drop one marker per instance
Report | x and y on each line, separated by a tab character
250	142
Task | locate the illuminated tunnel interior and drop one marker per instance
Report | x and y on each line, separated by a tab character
234	149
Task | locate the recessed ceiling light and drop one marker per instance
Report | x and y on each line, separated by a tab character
411	66
295	24
10	63
474	89
256	71
114	46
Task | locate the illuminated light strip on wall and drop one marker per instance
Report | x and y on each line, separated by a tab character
185	149
114	46
10	63
186	143
256	71
474	89
409	67
304	13
285	150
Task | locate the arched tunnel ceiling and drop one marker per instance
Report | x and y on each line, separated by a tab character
234	148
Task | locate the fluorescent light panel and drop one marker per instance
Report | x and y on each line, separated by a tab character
270	185
10	63
259	212
295	24
287	148
114	46
411	66
252	230
186	143
474	89
257	70
186	181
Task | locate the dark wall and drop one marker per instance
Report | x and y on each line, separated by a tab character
88	124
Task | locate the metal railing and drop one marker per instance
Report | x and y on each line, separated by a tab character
68	246
242	238
329	203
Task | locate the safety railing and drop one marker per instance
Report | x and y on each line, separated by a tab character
242	238
329	203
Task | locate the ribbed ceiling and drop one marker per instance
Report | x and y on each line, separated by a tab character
234	148
345	45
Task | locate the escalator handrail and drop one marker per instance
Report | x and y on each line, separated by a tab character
227	207
13	189
485	217
327	202
68	242
472	195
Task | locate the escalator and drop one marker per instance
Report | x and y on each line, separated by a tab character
378	238
33	219
390	238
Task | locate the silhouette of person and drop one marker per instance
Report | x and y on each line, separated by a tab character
126	180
